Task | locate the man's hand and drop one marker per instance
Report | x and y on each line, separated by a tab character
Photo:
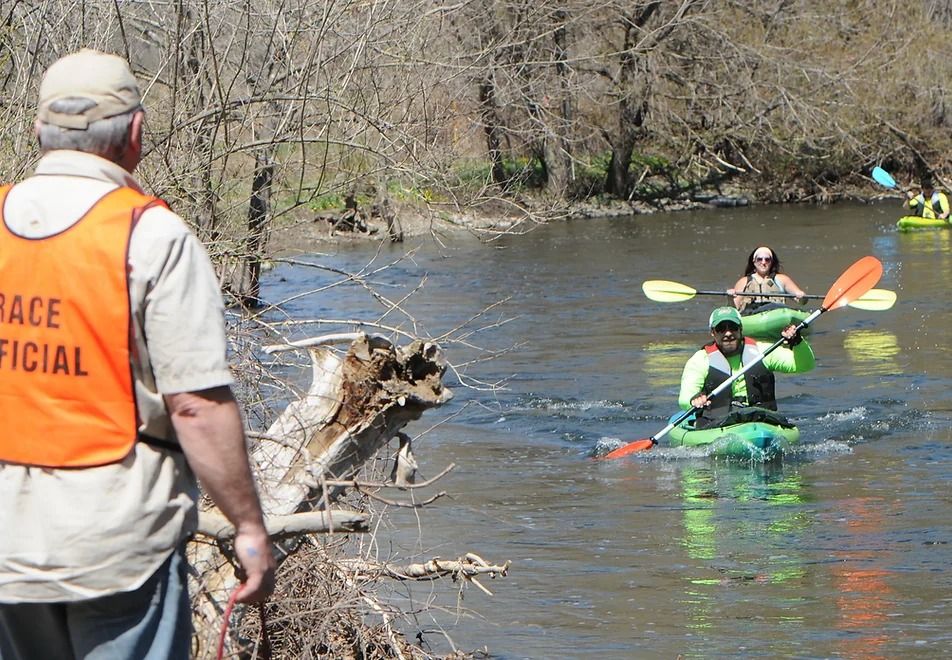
791	335
257	563
701	401
210	431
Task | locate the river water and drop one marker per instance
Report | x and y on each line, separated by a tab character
840	550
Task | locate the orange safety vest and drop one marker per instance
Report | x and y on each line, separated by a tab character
67	397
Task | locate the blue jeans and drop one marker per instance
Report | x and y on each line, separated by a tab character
153	622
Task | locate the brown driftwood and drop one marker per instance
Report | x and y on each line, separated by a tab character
354	407
383	209
355	220
351	219
314	522
356	404
467	568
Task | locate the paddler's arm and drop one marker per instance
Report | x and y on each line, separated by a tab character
792	287
739	301
794	360
692	379
943	206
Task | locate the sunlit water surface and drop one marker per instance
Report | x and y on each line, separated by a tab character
840	550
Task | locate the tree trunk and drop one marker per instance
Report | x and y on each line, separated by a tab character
194	60
631	119
355	404
258	209
557	148
492	126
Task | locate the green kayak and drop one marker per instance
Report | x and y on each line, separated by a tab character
915	223
759	441
767	324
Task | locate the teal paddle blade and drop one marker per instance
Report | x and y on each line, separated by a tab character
883	177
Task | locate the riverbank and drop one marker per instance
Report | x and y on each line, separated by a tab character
499	216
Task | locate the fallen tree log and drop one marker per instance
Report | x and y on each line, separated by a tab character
356	403
466	568
279	527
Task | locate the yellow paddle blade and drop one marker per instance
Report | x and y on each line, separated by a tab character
665	291
875	300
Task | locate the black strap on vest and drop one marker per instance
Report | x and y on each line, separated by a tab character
159	443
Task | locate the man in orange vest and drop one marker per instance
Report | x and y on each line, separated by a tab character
114	390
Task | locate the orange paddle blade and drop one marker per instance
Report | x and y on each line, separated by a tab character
630	448
854	282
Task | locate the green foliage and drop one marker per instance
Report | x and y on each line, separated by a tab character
656	164
397	190
402	192
590	176
327	202
522	172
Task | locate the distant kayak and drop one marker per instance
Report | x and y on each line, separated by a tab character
768	323
758	441
915	223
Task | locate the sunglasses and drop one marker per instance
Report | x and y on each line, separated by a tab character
766	260
724	326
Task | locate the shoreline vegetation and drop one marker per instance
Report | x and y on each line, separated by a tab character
269	123
518	216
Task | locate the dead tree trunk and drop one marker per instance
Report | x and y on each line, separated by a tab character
355	405
195	62
492	125
630	120
259	207
557	146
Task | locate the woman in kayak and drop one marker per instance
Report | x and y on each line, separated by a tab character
763	276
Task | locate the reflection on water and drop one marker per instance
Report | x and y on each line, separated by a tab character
712	494
863	603
929	242
711	489
663	361
672	553
873	352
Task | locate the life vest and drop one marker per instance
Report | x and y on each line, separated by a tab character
929	209
759	381
768	286
67	396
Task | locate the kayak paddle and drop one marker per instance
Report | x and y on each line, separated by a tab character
851	285
875	300
884	178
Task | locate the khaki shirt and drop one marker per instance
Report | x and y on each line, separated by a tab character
70	535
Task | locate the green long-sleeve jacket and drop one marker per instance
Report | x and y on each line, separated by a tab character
784	360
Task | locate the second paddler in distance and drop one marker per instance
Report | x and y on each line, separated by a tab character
763	275
928	203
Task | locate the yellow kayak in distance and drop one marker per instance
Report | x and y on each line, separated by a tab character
915	223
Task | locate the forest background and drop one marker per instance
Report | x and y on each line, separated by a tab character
491	115
263	115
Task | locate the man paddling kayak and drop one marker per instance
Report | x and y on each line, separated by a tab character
728	353
929	203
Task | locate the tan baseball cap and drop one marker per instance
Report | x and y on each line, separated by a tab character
88	74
